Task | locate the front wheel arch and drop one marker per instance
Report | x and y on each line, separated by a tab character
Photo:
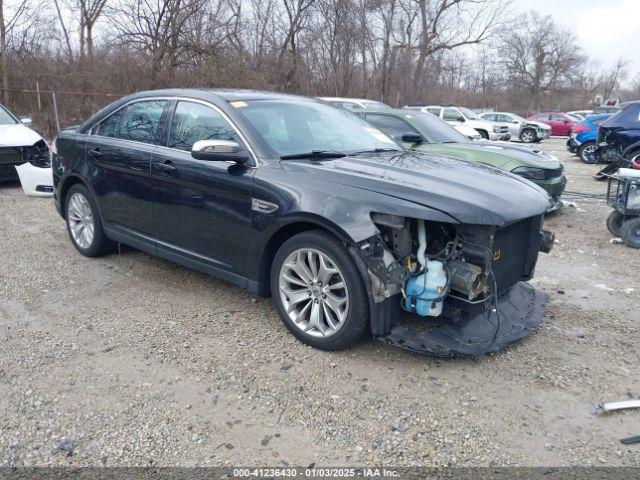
281	235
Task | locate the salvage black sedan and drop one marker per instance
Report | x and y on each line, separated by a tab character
293	199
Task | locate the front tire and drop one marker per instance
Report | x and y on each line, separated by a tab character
84	224
528	135
318	291
586	150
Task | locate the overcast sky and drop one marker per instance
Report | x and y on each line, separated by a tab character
606	29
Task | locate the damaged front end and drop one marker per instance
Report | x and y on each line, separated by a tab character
468	279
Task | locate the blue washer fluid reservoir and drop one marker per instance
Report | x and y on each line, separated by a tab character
426	292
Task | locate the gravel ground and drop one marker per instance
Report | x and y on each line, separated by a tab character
132	360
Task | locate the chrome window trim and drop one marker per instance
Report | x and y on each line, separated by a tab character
217	109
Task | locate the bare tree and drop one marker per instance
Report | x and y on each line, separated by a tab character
538	55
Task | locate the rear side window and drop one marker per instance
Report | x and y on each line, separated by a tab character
392	126
137	122
193	121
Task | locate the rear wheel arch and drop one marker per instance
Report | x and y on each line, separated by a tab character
67	183
483	133
283	234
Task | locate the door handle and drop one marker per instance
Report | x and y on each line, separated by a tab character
167	167
95	153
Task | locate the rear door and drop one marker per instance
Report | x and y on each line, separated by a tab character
202	209
119	152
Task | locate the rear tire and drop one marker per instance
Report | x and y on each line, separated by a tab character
84	224
614	223
312	304
630	232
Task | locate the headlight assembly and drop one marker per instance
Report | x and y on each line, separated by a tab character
530	173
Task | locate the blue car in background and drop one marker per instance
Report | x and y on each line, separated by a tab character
583	138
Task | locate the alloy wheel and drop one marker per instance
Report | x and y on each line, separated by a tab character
527	136
313	292
587	151
80	220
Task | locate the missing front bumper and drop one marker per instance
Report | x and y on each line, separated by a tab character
521	311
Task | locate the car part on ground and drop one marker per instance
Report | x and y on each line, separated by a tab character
427	133
613	406
35	181
335	254
24	156
630	440
456	115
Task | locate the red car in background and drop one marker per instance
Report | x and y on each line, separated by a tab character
560	123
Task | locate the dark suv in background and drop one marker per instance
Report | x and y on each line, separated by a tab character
619	135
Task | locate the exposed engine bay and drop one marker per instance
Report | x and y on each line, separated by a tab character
468	277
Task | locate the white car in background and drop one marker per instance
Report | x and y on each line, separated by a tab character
528	131
354	103
24	156
461	115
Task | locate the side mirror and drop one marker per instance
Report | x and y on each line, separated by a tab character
410	138
218	151
26	121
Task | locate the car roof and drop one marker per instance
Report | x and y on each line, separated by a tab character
227	94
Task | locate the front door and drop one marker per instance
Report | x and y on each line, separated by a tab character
119	153
202	209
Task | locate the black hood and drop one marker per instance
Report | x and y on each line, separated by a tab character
470	193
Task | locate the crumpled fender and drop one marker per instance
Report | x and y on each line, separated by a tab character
35	181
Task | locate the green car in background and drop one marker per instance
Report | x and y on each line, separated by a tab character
425	132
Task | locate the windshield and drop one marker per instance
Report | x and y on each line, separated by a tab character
292	127
6	118
471	115
434	129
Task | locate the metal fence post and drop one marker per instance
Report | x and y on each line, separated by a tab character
55	110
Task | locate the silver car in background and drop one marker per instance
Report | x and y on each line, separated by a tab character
528	131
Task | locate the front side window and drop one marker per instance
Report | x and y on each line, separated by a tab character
291	127
434	111
137	122
489	116
6	118
451	114
194	121
557	118
393	126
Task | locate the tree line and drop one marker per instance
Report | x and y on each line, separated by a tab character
472	52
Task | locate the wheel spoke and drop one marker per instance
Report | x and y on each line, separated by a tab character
335	303
317	317
335	286
313	267
294	281
325	271
301	269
